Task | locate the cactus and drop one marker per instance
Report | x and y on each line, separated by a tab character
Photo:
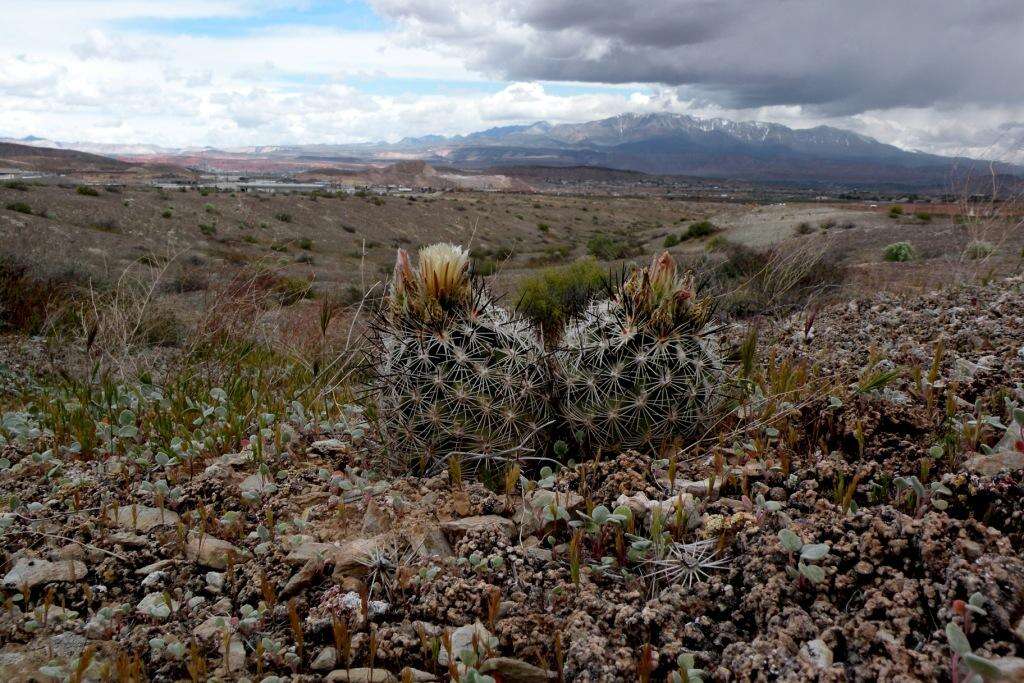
454	373
642	367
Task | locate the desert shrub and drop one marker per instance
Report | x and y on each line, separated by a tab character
290	290
348	228
161	327
896	211
209	208
107	225
699	229
112	189
283	216
923	216
167	213
804	228
26	301
188	280
827	224
16	185
305	243
279	246
249	239
20	207
552	254
748	281
847	225
87	191
899	252
208	228
608	248
553	295
979	249
543	227
304	258
671	240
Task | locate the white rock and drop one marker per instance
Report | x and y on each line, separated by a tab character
155	605
33	571
142	518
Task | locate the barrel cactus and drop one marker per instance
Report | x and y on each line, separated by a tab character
454	373
643	367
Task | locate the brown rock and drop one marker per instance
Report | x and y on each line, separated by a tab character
517	671
988	465
212	552
301	580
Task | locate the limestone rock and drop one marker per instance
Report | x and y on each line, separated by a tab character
325	660
212	552
142	518
362	675
457	528
33	571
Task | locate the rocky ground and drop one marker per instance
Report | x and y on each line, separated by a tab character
864	496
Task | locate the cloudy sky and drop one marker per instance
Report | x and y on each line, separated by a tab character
943	76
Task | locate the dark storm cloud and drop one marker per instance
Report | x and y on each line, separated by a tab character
842	57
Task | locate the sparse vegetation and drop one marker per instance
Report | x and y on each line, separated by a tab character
87	191
242	470
550	297
609	248
20	207
899	252
979	249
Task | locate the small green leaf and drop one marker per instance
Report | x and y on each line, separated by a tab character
790	541
812	572
981	665
814	551
957	640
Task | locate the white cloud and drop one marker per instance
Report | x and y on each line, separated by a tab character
73	71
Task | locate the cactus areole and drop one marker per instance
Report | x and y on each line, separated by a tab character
455	374
641	368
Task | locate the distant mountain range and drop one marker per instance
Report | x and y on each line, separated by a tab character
672	144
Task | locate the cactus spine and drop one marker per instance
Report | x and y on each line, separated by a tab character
641	368
454	372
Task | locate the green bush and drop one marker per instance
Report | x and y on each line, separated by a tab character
896	211
167	213
699	229
283	216
923	216
607	248
208	228
15	185
209	208
900	252
553	295
87	191
804	228
670	241
20	207
979	249
290	290
543	227
305	243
